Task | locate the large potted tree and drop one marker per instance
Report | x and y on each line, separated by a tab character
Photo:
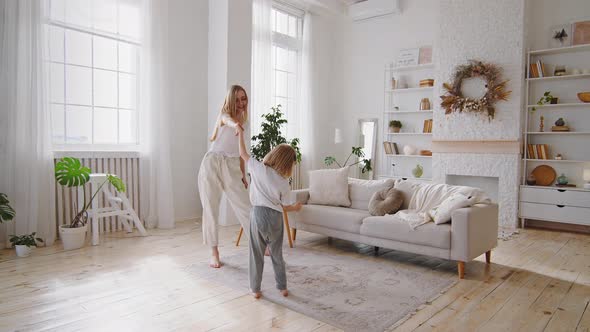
71	173
271	135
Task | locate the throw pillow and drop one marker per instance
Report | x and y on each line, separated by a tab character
442	213
329	187
408	189
361	191
386	201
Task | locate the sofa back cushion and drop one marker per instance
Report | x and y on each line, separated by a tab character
407	188
329	187
361	191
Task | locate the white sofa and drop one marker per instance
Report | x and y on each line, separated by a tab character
472	232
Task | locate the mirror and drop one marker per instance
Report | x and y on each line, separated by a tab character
367	140
473	87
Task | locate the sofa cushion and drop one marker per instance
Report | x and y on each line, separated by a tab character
442	213
329	187
339	218
390	228
361	191
386	201
408	188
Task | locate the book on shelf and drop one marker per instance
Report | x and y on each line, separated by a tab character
538	151
390	147
537	69
427	126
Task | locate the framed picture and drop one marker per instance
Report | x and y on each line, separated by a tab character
560	35
581	32
408	57
425	55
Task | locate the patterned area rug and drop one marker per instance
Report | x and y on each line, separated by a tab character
352	291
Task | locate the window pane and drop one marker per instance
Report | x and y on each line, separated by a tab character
105	88
282	23
105	125
56	43
273	25
127	91
78	85
292	26
56	83
292	61
292	86
129	18
127	127
78	12
105	53
282	59
57	10
281	84
78	48
127	57
283	102
78	124
57	123
104	14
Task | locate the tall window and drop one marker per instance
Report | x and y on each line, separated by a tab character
287	30
93	61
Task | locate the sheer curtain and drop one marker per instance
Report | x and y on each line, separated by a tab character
261	94
26	165
155	170
306	91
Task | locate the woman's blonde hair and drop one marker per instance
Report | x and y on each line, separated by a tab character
229	108
282	159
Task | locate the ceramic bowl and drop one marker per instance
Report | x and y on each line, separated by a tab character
584	96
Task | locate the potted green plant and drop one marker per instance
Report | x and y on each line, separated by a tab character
71	173
547	98
6	211
395	126
23	243
271	135
365	164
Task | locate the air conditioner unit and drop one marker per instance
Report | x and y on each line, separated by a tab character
366	9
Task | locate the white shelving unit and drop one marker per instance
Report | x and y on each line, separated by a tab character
552	203
403	104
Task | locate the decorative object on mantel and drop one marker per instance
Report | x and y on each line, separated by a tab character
581	33
586	177
544	174
425	104
531	180
560	35
426	83
409	150
418	171
559	157
560	126
584	97
547	98
541	123
562	180
454	101
395	126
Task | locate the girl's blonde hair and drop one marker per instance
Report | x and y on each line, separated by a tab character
282	159
229	108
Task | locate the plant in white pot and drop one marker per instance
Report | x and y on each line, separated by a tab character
71	173
23	243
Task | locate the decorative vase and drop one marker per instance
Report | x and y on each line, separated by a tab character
531	180
418	171
22	250
409	150
562	179
560	122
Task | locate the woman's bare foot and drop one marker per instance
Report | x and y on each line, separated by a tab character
214	261
257	295
284	292
267	252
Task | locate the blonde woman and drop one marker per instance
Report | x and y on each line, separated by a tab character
222	170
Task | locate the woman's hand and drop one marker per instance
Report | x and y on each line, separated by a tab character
239	129
245	182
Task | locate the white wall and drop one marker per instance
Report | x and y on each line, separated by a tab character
188	34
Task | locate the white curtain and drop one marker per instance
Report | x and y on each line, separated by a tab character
306	98
154	118
261	94
26	165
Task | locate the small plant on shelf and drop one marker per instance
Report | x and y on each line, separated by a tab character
547	98
395	126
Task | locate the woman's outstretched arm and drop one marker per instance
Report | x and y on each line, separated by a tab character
243	152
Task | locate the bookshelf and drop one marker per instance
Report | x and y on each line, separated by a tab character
403	104
557	204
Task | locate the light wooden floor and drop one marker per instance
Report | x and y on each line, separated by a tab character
539	280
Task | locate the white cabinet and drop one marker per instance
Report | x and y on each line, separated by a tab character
565	205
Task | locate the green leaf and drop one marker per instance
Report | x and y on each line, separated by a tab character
329	160
70	172
117	183
6	211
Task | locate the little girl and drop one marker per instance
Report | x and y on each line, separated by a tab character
269	194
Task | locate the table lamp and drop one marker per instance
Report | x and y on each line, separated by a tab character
587	178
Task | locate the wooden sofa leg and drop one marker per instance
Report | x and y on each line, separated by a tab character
488	256
294	233
461	268
376	250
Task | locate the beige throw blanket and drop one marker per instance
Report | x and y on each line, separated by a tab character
430	196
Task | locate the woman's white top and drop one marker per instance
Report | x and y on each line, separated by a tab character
226	142
268	188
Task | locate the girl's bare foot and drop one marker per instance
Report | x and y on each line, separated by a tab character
267	252
214	261
285	292
257	295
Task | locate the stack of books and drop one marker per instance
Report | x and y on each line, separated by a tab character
427	126
537	70
390	148
538	151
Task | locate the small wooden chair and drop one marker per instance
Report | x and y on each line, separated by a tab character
290	236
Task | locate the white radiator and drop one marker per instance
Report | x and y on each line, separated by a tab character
123	164
296	178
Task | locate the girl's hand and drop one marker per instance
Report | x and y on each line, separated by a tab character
245	183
